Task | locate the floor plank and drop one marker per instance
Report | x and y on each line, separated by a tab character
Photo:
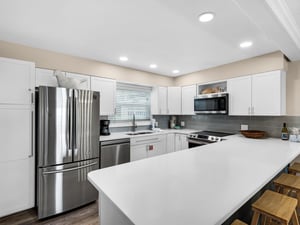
87	215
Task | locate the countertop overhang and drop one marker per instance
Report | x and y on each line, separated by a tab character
203	185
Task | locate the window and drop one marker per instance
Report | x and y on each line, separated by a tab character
132	99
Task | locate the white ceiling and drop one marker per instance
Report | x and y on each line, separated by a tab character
166	32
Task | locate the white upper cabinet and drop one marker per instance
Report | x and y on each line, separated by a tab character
239	90
269	93
159	100
85	80
188	94
45	77
260	94
166	100
17	81
107	89
174	100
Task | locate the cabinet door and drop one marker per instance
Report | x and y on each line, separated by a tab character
178	142
157	148
138	152
17	186
107	89
16	124
174	100
17	80
184	142
187	99
162	100
267	92
170	143
239	90
85	80
44	77
17	159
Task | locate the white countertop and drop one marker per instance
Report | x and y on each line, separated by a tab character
121	135
203	185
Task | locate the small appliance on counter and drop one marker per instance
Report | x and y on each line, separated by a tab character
104	127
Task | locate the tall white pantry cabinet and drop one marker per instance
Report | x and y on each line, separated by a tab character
17	79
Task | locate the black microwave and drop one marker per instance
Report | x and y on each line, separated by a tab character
216	103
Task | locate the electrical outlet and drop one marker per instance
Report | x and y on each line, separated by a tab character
244	126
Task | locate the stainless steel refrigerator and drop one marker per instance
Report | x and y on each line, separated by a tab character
67	148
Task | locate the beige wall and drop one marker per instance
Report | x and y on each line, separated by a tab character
268	62
293	89
53	60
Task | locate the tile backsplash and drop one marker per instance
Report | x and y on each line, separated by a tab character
271	124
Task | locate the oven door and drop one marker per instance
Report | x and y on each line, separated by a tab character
196	143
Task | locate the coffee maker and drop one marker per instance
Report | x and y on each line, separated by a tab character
104	127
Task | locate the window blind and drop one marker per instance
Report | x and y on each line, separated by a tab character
132	99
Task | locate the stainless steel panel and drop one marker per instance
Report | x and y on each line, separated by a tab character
114	154
54	125
86	125
65	187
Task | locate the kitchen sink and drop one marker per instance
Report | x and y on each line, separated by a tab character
139	132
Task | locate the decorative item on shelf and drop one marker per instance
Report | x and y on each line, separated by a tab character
67	82
253	133
211	90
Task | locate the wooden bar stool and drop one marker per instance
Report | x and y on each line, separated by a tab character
294	169
275	206
288	184
238	222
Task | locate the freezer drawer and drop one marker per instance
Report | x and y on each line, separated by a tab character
64	187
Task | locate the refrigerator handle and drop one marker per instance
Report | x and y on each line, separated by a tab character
75	121
70	169
70	121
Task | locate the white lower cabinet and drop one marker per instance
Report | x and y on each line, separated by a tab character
17	186
17	159
170	143
147	146
181	142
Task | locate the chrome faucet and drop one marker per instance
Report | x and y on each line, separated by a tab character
134	126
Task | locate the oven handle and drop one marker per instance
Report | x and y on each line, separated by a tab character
198	142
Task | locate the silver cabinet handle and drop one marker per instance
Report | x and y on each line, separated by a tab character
68	170
153	139
252	110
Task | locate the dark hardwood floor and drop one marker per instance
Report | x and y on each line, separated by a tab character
87	215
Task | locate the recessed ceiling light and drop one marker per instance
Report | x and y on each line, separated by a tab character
175	71
206	17
153	66
123	58
246	44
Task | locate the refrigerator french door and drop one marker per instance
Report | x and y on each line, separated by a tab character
67	148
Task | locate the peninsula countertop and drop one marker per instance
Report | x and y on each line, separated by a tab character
203	185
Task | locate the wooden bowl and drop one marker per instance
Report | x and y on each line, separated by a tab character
253	133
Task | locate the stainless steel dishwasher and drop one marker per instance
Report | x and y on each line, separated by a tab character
114	152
